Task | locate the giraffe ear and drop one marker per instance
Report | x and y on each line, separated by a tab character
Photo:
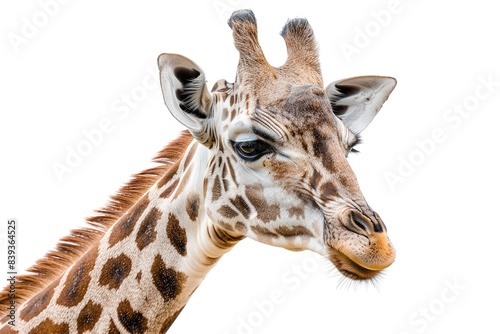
357	100
185	91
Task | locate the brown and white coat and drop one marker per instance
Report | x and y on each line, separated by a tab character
264	157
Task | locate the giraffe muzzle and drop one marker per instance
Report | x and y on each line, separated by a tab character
365	250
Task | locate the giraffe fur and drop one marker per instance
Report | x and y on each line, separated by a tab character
264	157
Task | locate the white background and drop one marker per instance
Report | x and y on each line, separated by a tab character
74	70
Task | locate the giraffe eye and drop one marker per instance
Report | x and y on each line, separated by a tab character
252	150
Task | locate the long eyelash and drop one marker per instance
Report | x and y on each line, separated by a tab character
358	141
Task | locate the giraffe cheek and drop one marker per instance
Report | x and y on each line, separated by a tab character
227	219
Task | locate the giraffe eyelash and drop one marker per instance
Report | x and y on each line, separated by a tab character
352	148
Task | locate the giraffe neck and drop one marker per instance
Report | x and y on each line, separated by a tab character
142	272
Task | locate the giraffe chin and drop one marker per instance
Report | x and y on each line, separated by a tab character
352	269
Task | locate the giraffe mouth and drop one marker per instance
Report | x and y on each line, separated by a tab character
352	269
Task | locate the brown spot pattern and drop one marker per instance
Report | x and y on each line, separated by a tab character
242	205
328	191
115	270
147	233
225	183
240	227
296	211
220	142
216	189
231	170
177	234
112	328
126	224
205	187
321	149
185	178
78	279
88	317
190	154
138	276
293	231
168	175
225	113
315	179
264	232
265	212
193	206
304	145
171	187
227	212
133	321
48	326
38	303
225	226
169	282
212	165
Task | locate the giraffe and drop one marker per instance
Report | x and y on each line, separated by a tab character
264	157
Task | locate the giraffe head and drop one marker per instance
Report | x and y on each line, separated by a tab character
277	144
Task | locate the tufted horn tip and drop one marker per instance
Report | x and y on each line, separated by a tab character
296	26
301	46
242	15
244	26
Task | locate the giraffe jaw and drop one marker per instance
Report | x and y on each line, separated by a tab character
351	268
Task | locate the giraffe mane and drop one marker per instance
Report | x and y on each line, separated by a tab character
80	240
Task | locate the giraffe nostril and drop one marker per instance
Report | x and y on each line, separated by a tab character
356	222
361	224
